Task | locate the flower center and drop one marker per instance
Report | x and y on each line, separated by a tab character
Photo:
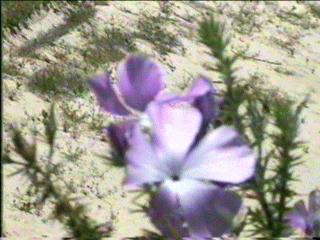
175	177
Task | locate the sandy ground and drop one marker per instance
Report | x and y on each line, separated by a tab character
285	42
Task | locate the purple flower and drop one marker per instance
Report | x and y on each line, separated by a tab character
140	81
187	204
118	135
307	220
204	98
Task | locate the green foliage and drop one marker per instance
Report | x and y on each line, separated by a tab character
74	16
16	13
166	8
261	116
154	29
297	18
60	80
25	201
42	178
315	10
79	13
10	68
73	154
51	126
287	120
245	20
110	46
211	34
96	121
72	115
23	148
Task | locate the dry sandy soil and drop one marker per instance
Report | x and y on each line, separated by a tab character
283	50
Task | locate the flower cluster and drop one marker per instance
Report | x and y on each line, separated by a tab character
141	81
178	160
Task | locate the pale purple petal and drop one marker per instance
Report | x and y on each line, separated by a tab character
143	165
118	135
140	81
174	128
221	156
298	217
203	93
165	97
195	209
201	87
166	214
314	201
106	95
